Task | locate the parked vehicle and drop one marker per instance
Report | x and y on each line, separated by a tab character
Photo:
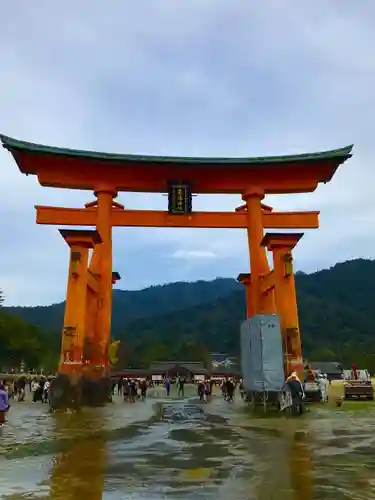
358	385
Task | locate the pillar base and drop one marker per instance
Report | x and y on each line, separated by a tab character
72	392
96	392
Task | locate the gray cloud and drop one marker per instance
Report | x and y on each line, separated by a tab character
214	77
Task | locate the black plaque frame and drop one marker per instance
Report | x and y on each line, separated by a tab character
179	197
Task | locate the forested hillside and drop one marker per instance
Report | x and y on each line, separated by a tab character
188	320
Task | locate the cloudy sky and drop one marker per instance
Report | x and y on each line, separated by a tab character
192	78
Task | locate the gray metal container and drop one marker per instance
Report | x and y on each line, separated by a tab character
262	361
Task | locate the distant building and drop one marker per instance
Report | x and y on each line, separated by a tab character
186	369
172	369
221	360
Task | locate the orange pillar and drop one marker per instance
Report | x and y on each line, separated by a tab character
258	257
281	246
245	279
76	299
101	264
90	347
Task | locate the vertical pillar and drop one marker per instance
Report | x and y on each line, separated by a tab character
101	264
75	307
90	348
245	279
258	256
281	246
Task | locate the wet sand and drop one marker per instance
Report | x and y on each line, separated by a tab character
180	449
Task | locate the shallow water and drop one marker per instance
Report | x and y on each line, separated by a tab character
139	451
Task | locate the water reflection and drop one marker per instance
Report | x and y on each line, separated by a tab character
130	452
301	466
79	472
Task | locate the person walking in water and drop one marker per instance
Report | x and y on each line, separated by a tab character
324	387
181	384
167	386
297	393
4	404
230	390
143	388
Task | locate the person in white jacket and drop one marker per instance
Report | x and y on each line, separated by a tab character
323	385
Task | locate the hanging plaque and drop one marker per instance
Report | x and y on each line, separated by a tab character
179	198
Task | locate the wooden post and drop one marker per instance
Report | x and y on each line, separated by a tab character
101	264
73	336
245	279
258	257
281	246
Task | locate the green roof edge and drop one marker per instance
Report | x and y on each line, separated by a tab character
16	145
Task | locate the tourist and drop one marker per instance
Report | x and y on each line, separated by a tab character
4	403
9	386
126	389
167	386
296	392
324	387
181	383
230	388
143	388
20	388
133	391
207	390
36	390
200	390
45	391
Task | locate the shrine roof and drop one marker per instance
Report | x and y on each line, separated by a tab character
14	145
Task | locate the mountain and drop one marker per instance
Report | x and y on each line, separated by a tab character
335	307
130	305
336	310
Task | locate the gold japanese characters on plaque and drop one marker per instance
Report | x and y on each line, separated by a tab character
179	198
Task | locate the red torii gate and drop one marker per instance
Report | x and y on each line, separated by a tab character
87	322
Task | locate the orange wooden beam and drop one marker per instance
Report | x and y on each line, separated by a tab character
267	282
243	208
155	218
92	282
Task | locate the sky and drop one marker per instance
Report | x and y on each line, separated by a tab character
188	78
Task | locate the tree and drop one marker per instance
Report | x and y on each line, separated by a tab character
1	298
324	354
20	341
113	353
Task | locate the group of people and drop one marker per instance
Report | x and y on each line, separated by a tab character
228	389
204	390
39	388
227	386
134	389
131	389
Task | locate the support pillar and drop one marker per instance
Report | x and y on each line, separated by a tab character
67	390
245	279
281	246
101	264
258	257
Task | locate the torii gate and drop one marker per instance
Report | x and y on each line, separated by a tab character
87	321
